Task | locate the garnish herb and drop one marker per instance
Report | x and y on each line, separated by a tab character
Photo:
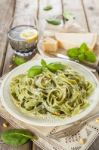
90	56
54	21
43	63
52	66
47	8
35	70
55	66
17	137
83	53
18	60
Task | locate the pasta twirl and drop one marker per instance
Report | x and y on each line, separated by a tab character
62	93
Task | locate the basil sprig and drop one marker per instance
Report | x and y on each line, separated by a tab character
17	137
82	53
53	67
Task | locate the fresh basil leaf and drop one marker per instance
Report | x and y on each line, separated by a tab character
81	57
47	8
73	53
83	47
35	70
55	66
67	15
54	21
16	137
82	53
43	63
18	60
90	56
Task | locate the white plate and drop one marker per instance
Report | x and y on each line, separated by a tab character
48	121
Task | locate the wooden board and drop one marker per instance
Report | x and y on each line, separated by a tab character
6	9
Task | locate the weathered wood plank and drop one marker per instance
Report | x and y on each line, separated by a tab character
95	145
6	15
25	12
56	8
92	13
24	147
76	8
6	11
56	11
35	147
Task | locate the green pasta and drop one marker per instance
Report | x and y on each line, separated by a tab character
62	93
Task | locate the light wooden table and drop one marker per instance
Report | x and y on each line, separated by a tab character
17	12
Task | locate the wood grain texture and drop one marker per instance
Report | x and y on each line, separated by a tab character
76	8
55	12
92	14
6	16
23	147
35	147
56	8
25	12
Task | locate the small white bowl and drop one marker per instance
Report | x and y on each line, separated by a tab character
47	121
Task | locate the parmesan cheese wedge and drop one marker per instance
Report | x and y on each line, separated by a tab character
50	45
70	40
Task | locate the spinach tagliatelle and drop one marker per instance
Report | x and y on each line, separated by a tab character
51	89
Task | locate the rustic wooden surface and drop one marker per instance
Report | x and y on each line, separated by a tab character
17	12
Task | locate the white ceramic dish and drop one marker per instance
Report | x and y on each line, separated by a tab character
48	121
